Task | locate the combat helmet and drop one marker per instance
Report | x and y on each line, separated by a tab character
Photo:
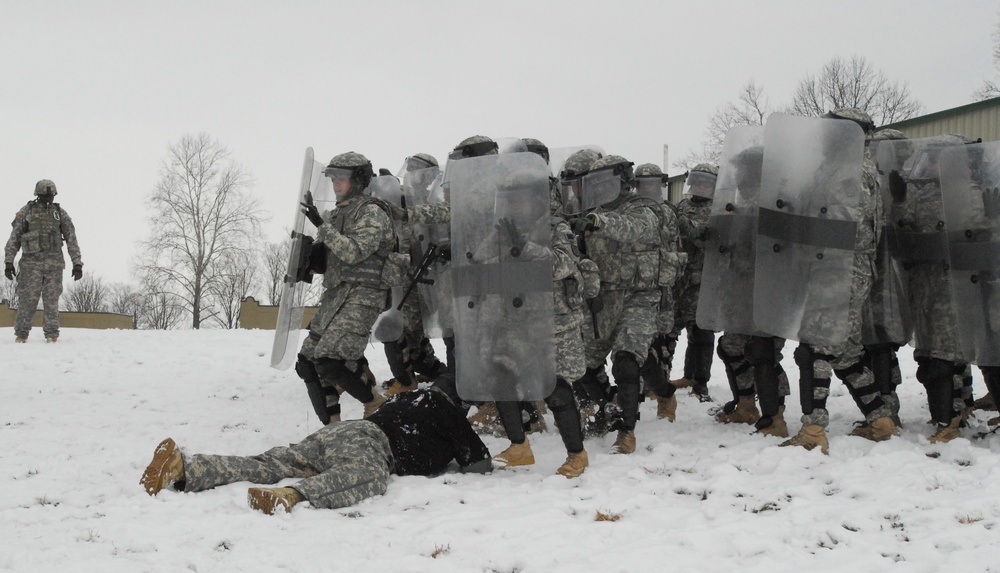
650	180
619	166
579	163
475	146
700	181
856	115
355	165
45	187
538	147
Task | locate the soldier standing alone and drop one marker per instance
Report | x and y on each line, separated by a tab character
39	229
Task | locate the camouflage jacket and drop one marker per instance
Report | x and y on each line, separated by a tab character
692	221
38	231
360	237
626	247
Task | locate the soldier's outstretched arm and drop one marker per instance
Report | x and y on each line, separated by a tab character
637	224
372	229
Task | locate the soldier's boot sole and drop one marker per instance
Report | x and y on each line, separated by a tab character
398	388
166	468
271	499
516	455
809	437
574	465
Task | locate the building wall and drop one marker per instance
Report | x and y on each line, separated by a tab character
99	320
265	316
980	120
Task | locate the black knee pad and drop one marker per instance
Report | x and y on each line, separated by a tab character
561	397
700	336
759	350
625	368
930	370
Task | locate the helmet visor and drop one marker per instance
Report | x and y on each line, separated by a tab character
700	184
651	187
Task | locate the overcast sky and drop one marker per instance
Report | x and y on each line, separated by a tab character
92	93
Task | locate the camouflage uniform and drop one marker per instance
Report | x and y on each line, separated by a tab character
358	235
38	231
692	221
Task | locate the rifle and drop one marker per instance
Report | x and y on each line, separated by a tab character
429	257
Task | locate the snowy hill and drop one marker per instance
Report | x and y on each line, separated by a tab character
79	421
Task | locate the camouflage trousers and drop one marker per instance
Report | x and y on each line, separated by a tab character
343	323
570	353
732	351
341	464
626	322
34	283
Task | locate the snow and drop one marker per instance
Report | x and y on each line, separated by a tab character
80	420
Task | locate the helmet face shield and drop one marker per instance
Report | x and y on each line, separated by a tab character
571	194
700	184
600	187
651	187
338	173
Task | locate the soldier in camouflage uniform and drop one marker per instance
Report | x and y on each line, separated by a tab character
692	220
413	353
818	363
655	371
622	236
358	237
38	231
416	433
574	280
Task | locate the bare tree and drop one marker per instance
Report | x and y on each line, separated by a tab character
235	279
88	294
126	299
854	83
202	212
8	291
990	88
159	309
274	257
752	108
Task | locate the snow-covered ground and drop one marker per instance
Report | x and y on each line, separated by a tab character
80	420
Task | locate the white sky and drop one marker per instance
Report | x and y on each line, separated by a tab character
91	93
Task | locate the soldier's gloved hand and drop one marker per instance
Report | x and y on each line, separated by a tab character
991	202
310	210
444	250
586	225
897	186
506	228
77	272
8	271
398	213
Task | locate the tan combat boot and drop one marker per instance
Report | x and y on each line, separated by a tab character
373	404
516	455
574	465
666	408
986	403
746	412
166	468
945	434
53	338
624	443
682	383
21	339
880	430
270	499
809	437
398	387
778	427
486	418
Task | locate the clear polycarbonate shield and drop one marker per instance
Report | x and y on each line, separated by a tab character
293	290
502	277
388	327
652	187
599	187
725	301
810	199
971	191
700	183
559	155
511	145
424	187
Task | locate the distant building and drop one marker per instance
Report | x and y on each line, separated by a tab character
980	120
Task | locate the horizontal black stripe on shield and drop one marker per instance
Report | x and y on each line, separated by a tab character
824	233
503	279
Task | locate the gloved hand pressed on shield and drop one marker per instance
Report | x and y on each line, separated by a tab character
586	225
77	272
444	250
897	186
507	230
8	271
310	210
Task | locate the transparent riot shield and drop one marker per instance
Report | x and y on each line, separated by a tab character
559	155
725	301
388	327
425	187
810	198
502	277
297	277
970	187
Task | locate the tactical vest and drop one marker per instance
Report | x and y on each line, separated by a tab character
368	272
638	266
42	229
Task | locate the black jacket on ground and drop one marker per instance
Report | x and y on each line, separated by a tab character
426	431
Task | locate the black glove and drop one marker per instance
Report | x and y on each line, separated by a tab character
897	186
8	271
310	210
444	250
586	225
991	202
77	272
506	228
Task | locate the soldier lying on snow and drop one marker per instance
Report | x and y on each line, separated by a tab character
414	433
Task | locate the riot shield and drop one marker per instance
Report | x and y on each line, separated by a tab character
970	188
511	145
727	277
388	327
502	277
559	155
293	290
424	187
810	199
